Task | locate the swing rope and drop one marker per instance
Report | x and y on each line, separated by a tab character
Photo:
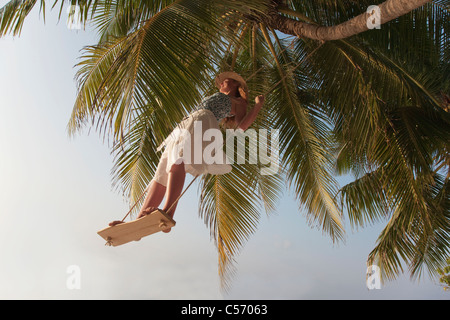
267	92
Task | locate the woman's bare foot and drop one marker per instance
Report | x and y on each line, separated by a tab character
142	214
146	212
114	223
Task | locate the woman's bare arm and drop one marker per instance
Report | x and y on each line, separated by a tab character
251	115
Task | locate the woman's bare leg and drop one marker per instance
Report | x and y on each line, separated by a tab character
154	198
175	183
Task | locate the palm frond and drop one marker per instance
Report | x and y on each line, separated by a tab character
386	116
232	215
136	158
416	246
306	154
144	68
13	14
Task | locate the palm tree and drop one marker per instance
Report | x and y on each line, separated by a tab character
345	100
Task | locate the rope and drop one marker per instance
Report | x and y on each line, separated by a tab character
140	198
267	92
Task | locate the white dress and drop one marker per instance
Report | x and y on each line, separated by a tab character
197	141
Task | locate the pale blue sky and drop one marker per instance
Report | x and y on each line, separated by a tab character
56	193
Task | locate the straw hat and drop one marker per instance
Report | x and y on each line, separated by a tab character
231	75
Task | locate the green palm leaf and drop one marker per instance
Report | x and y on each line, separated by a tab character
306	145
13	14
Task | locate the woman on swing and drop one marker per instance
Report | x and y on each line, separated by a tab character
228	106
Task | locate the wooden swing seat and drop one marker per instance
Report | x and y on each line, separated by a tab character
135	230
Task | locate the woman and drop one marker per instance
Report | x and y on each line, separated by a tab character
228	107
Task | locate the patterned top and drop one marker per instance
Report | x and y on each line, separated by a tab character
219	104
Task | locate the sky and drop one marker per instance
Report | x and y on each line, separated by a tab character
56	193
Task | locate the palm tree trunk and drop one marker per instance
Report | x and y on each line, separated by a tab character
388	10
